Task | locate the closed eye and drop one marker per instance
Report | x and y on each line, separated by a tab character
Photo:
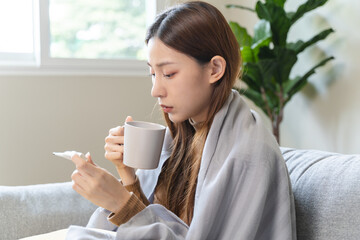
169	75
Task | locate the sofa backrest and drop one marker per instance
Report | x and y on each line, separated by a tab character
326	188
31	210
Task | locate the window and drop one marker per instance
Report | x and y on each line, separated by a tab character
16	39
66	36
97	29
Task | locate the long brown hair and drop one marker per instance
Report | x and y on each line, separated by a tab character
200	31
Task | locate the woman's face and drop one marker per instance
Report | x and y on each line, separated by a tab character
181	84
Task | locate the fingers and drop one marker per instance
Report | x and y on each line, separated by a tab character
129	119
111	147
113	152
114	143
79	189
81	175
113	156
114	139
79	183
89	159
84	168
78	178
77	160
117	131
82	183
114	146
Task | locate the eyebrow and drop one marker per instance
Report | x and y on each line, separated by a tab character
161	64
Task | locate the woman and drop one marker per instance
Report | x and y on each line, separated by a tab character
221	173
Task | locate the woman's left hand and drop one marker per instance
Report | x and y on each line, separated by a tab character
98	185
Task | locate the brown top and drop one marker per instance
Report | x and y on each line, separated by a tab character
134	205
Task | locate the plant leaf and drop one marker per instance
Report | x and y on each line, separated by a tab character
290	15
280	3
241	34
240	7
286	60
262	37
262	32
252	76
272	100
291	85
262	11
296	45
279	22
266	53
267	67
247	54
283	60
296	85
306	7
301	46
256	48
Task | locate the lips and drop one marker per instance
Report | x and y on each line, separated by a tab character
165	108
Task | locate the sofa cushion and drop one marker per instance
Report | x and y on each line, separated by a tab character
326	188
36	209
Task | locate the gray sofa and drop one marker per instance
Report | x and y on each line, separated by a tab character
31	210
326	187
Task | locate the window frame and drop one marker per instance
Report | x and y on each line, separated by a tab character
46	65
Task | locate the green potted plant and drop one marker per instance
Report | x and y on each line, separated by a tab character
268	57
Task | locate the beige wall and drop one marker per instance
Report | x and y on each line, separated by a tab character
42	114
326	115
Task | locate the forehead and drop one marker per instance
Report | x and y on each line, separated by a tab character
158	53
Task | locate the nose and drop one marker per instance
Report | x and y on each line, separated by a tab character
158	89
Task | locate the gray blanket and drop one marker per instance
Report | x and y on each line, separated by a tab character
243	189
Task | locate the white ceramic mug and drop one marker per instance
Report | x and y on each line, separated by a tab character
143	144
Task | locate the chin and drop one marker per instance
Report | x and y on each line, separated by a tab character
177	119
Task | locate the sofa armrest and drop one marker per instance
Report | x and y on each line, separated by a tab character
326	188
37	209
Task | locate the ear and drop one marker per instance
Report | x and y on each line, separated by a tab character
217	65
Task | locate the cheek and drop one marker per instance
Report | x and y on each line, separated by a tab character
196	100
194	83
199	90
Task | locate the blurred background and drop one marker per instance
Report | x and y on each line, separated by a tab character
83	70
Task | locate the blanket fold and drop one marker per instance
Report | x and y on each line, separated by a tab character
243	189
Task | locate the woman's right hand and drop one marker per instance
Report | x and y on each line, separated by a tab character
114	152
